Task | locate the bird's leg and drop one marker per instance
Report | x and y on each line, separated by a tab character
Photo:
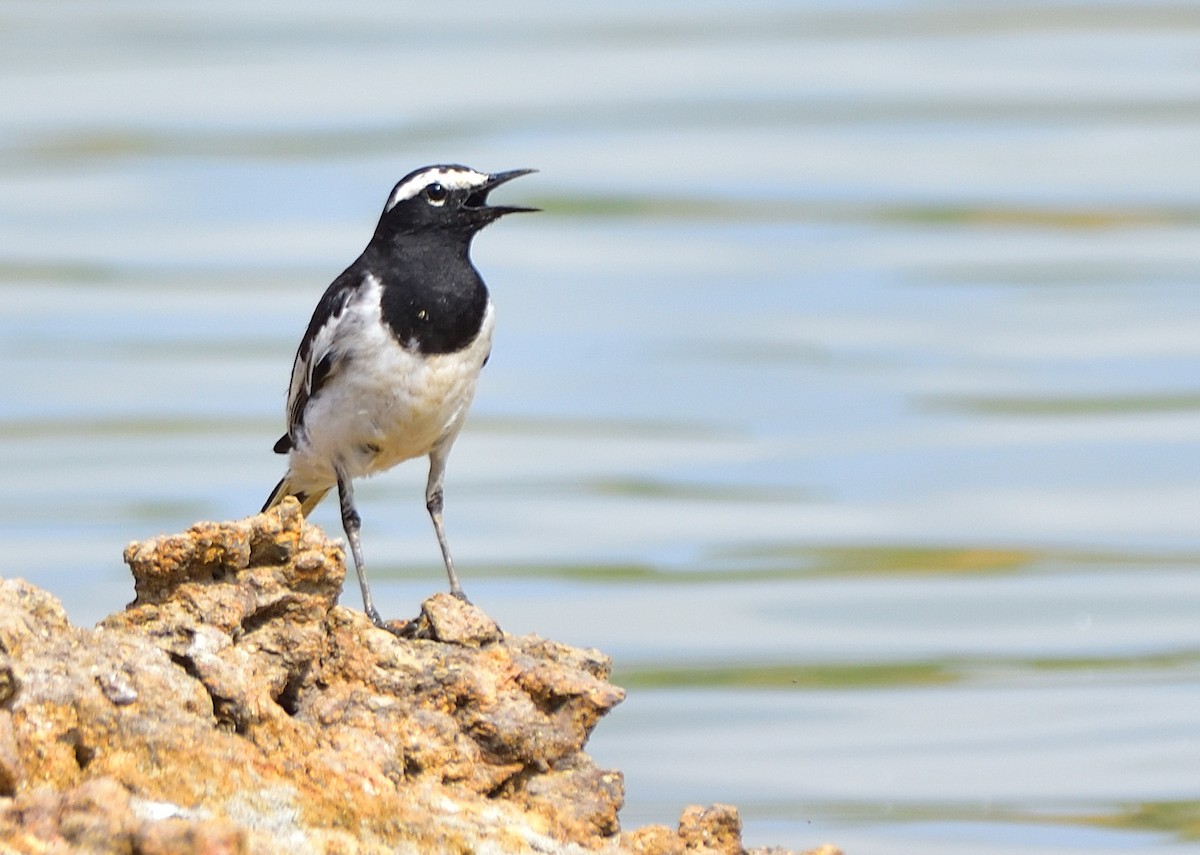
434	501
351	522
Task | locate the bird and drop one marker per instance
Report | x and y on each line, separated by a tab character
388	366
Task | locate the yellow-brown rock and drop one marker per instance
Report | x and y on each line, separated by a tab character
234	707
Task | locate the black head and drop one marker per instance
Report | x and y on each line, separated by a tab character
446	198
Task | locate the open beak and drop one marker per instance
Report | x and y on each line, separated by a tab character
478	199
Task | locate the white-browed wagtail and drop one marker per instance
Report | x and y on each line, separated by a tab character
387	368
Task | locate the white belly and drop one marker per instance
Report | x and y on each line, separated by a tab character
388	405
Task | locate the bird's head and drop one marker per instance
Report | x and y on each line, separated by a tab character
447	198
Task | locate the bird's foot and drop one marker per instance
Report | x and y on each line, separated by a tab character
398	628
426	625
405	629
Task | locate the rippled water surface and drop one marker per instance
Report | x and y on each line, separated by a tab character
847	391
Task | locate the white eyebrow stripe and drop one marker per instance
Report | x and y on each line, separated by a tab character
451	179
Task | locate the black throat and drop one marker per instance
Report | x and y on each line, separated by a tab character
433	298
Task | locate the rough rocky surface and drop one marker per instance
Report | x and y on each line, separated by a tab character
233	707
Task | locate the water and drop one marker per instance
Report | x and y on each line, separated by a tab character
847	391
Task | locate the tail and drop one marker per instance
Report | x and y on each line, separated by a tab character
283	489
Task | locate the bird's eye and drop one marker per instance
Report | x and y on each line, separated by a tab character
436	193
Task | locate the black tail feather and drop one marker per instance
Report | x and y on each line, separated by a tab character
282	490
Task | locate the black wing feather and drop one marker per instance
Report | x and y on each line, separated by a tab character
316	358
319	374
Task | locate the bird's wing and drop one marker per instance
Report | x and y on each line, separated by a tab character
318	356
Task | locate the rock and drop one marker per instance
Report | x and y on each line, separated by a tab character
717	829
100	817
452	621
234	707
